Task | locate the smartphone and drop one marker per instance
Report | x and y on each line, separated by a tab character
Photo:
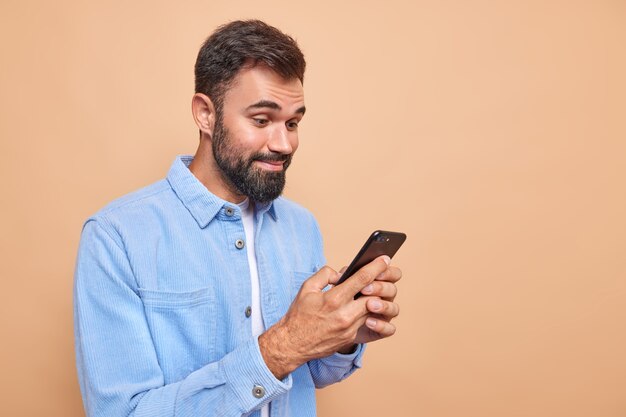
379	243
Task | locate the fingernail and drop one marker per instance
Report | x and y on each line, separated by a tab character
368	289
387	259
376	305
371	323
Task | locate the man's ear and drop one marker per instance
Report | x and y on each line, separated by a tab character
203	112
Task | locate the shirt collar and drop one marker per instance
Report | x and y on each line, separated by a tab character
201	203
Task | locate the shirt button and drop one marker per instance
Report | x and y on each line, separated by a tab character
229	211
248	311
258	391
239	244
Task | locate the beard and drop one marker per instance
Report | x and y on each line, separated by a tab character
239	170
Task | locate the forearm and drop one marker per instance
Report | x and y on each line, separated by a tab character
279	360
222	388
123	363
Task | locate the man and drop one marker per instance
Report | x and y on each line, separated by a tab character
205	293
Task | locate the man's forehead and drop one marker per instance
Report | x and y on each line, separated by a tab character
261	84
268	104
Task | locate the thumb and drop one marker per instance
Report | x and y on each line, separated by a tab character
321	279
336	279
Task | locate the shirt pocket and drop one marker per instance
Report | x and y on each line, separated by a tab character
297	279
183	327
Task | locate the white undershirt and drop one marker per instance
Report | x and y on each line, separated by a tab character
248	218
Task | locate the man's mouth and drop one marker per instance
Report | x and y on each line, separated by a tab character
270	165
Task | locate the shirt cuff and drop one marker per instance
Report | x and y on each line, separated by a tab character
249	380
342	360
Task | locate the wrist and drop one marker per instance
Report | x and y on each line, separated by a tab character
348	350
275	352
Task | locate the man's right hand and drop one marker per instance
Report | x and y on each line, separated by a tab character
319	323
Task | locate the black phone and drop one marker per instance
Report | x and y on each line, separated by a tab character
381	242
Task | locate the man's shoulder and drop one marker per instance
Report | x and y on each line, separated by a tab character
137	201
301	229
286	207
295	217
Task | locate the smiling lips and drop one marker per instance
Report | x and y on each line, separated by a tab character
271	165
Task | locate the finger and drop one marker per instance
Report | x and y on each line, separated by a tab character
336	279
384	308
385	290
392	274
341	271
364	276
354	311
379	317
383	328
321	279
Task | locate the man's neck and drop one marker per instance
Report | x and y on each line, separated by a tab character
205	169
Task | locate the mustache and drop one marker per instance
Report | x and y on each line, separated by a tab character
271	156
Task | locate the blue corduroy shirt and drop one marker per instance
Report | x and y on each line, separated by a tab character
162	286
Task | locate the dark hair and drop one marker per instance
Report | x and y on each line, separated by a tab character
240	43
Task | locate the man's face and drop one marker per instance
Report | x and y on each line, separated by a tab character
256	133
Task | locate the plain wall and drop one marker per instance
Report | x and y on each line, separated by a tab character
492	132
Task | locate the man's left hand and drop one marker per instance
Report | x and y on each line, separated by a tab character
381	295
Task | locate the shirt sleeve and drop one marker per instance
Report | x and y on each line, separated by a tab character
118	369
337	367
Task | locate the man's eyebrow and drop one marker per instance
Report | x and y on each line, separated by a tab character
268	104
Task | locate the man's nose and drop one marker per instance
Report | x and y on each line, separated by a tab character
281	140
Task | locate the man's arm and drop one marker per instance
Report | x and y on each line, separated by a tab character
118	368
338	366
320	323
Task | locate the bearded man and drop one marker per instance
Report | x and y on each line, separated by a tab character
206	294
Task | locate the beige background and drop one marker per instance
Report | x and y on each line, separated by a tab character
493	133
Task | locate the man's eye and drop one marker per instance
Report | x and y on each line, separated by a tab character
260	122
293	124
